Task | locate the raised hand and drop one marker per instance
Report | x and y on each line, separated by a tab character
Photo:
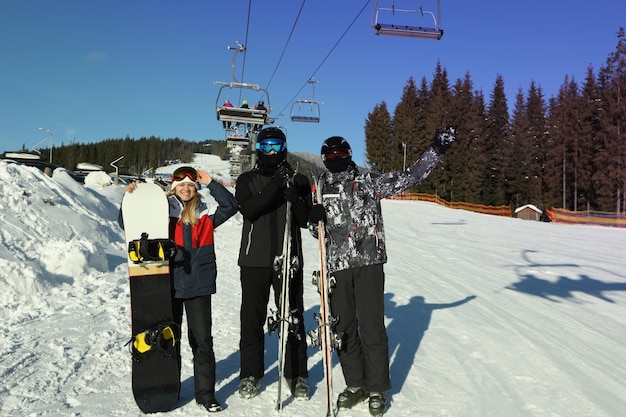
443	139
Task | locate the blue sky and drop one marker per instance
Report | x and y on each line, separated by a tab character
94	70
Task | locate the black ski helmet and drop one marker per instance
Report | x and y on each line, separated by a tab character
274	160
271	133
336	144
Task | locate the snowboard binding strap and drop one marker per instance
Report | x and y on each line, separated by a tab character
144	249
161	338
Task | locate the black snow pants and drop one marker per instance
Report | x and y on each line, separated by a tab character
255	286
199	324
358	301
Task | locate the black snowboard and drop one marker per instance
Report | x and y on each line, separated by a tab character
155	368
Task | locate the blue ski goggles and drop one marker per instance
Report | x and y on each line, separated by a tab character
271	144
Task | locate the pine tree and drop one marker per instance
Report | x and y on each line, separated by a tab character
517	176
610	159
477	151
466	158
591	103
440	179
528	141
561	149
536	111
406	126
497	135
378	138
423	140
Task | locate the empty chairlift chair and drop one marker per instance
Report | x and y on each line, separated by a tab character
306	110
412	23
311	113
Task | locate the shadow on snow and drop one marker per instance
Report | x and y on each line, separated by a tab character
408	325
564	287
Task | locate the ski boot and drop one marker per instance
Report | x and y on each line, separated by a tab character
350	397
299	388
377	404
249	387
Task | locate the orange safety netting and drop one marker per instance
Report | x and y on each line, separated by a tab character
478	208
599	218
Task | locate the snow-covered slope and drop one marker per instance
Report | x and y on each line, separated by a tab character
486	316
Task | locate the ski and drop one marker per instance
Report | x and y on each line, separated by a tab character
324	335
282	263
285	265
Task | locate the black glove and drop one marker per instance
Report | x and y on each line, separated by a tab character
443	139
317	213
291	194
286	171
283	175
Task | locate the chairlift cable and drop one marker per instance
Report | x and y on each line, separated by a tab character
293	28
243	66
327	56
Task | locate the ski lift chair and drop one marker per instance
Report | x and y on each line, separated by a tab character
237	115
232	116
396	29
232	141
297	116
314	115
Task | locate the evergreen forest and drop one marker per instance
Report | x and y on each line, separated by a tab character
567	151
140	156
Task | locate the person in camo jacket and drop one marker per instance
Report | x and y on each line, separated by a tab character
355	250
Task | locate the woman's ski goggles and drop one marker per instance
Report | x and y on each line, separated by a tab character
185	172
336	154
268	145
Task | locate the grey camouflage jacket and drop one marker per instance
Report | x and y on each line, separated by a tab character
354	227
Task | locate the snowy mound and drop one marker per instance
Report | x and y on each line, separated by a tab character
54	231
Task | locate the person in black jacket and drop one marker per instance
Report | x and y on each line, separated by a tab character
262	194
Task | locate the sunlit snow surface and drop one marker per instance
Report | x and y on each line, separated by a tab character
486	316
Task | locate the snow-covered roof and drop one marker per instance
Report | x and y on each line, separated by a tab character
530	206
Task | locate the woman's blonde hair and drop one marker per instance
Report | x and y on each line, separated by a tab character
188	215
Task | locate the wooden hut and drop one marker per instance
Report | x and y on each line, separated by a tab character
528	212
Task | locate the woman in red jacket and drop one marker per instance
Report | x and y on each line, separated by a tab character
193	269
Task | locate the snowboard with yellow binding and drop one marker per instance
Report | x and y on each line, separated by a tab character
154	341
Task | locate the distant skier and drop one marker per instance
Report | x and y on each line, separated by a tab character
262	194
260	106
227	125
355	248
